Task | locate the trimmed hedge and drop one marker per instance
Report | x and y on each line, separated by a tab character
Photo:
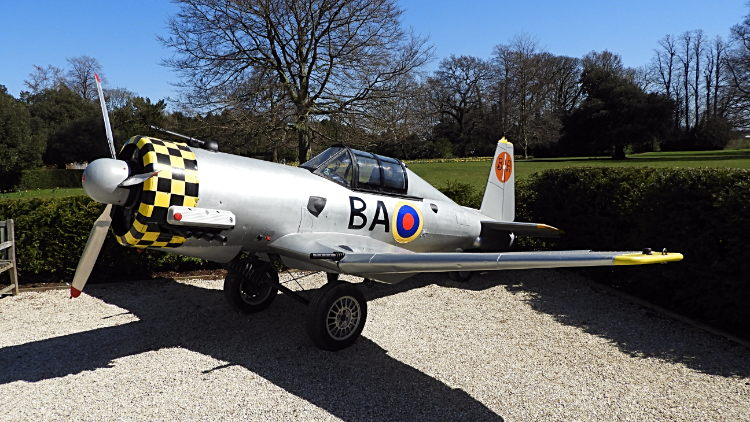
50	179
701	213
51	234
462	193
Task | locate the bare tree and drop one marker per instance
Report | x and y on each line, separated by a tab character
608	62
664	72
527	76
259	106
686	59
457	87
118	97
403	123
566	79
738	69
80	77
42	78
715	77
328	56
698	49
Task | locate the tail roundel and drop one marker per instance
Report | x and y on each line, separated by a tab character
499	201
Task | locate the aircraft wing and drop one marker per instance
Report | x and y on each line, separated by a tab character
371	258
439	262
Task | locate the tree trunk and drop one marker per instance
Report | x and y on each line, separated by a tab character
303	129
619	152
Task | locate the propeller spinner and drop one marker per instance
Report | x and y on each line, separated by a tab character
102	179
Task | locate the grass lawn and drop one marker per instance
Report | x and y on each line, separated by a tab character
43	193
475	173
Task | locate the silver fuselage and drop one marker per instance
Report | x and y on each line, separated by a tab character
270	201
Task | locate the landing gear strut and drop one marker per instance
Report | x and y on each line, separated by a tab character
461	276
253	292
335	318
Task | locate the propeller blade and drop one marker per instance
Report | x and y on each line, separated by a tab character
138	178
91	251
107	126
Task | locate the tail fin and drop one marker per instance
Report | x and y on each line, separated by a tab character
499	201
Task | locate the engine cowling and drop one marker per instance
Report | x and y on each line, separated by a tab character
142	221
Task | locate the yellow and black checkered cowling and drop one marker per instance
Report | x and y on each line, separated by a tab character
175	184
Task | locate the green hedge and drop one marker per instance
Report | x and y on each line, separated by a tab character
51	235
701	213
462	193
50	179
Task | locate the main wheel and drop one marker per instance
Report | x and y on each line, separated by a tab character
336	316
253	294
460	276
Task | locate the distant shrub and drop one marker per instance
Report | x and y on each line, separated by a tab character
50	179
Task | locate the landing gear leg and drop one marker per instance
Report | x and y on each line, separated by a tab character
460	276
254	291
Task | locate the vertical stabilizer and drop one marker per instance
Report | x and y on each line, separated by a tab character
499	201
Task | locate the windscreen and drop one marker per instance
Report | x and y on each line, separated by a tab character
321	158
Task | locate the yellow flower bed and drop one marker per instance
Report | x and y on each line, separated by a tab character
447	160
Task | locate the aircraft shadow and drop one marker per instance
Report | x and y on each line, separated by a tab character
271	344
635	330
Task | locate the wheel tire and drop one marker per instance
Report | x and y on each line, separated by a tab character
248	298
461	276
336	316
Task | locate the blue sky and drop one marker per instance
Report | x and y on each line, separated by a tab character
122	35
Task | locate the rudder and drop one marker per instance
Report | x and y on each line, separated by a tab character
499	200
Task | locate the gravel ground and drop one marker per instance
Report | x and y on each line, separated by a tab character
513	345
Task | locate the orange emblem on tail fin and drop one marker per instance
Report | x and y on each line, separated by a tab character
504	167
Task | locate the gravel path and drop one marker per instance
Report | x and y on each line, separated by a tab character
513	345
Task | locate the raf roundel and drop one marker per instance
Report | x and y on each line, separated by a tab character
407	222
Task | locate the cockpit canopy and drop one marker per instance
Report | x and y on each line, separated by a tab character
360	170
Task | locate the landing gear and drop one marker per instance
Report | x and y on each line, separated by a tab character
460	276
254	292
336	317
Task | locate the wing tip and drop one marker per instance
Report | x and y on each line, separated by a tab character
74	292
550	228
639	259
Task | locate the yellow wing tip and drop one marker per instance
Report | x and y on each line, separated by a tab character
550	228
640	259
